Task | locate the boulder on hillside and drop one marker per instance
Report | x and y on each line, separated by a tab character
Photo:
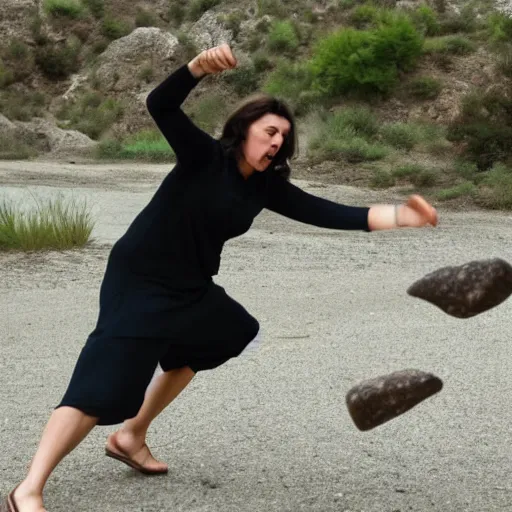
121	63
15	16
44	136
207	32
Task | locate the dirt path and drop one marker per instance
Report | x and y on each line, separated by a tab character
270	432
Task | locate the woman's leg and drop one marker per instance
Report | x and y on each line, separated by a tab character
65	430
131	437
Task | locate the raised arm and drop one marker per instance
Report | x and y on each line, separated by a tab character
293	202
191	144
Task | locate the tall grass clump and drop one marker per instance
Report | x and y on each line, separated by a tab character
146	145
54	224
464	189
347	135
69	8
448	45
368	61
495	190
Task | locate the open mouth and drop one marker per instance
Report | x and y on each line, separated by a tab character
269	156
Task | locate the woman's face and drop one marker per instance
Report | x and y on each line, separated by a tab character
265	137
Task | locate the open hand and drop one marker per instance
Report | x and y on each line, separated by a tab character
213	60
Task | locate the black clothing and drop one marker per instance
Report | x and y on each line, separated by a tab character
158	303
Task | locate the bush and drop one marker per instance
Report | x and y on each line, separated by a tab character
12	148
349	136
22	106
368	61
466	21
69	8
145	18
199	7
114	29
58	61
52	225
364	15
499	27
6	76
244	80
495	190
400	135
208	112
147	145
19	60
455	45
484	126
425	88
425	19
381	179
177	12
282	37
92	114
96	7
292	82
463	189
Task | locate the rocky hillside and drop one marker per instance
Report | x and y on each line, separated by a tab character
75	73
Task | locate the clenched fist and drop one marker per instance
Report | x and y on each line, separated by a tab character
213	60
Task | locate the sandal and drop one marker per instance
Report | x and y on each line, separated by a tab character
125	458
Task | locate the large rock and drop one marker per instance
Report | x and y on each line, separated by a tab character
208	32
120	63
15	16
44	136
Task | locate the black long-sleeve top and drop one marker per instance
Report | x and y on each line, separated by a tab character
177	239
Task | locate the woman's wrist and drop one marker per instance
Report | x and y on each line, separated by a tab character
195	69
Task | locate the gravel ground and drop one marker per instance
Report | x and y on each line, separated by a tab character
270	431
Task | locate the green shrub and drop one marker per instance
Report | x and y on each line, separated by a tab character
364	15
96	7
406	171
495	190
114	29
187	44
465	21
484	126
199	7
244	80
463	189
455	45
282	37
425	19
92	114
6	76
12	148
69	8
499	27
425	178
272	8
291	81
368	61
209	112
22	106
58	61
381	179
425	88
147	145
53	224
345	135
400	135
232	21
261	62
19	61
177	11
504	60
145	18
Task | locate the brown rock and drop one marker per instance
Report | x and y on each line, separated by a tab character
376	401
466	290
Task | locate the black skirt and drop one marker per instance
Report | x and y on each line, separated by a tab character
141	325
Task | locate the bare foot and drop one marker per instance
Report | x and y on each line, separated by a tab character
135	448
25	501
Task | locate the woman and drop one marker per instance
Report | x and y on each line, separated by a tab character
158	303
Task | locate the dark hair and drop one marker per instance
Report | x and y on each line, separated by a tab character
254	107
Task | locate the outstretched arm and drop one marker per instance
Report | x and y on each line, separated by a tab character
293	202
191	144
